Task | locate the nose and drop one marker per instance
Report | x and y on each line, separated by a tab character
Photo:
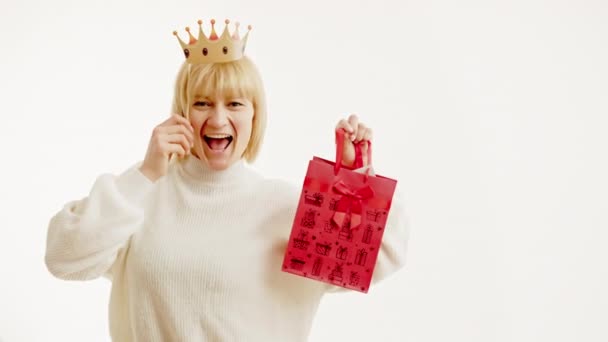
218	117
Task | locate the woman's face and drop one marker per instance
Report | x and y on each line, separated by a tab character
224	128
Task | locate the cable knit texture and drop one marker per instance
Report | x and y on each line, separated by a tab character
196	255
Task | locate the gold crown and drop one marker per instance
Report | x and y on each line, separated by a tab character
214	49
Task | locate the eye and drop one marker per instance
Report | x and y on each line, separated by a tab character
235	104
201	103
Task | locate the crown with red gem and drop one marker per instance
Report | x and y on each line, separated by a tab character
214	49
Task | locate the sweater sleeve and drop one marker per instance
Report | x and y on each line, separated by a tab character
393	249
86	235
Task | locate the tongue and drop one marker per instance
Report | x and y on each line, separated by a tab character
218	144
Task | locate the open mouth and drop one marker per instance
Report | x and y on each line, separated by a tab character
218	142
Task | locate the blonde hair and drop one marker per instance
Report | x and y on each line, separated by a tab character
239	78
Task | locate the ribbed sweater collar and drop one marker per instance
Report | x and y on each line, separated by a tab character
197	172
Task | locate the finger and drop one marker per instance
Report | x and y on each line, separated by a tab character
176	118
364	147
368	135
353	120
172	119
343	124
179	139
189	130
179	129
175	148
361	130
175	129
187	123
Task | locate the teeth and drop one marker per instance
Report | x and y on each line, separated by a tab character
218	136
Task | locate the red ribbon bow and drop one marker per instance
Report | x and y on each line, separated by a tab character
350	203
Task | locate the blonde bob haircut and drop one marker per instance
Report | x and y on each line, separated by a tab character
239	78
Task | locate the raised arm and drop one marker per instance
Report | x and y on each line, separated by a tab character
85	236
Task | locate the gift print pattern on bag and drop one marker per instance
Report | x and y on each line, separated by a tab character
346	233
374	215
315	199
336	274
328	227
316	267
361	257
367	236
301	242
343	214
354	278
323	248
330	221
309	218
342	253
297	264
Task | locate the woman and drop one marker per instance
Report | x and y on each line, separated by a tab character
193	245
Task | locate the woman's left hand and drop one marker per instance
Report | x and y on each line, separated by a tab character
356	132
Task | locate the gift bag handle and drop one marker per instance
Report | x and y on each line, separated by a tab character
358	152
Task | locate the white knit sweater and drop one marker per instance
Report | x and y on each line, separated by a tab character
196	255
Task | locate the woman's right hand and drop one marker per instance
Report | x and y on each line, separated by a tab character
174	135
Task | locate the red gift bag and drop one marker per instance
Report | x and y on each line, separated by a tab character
338	226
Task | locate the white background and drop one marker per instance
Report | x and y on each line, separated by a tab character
491	114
